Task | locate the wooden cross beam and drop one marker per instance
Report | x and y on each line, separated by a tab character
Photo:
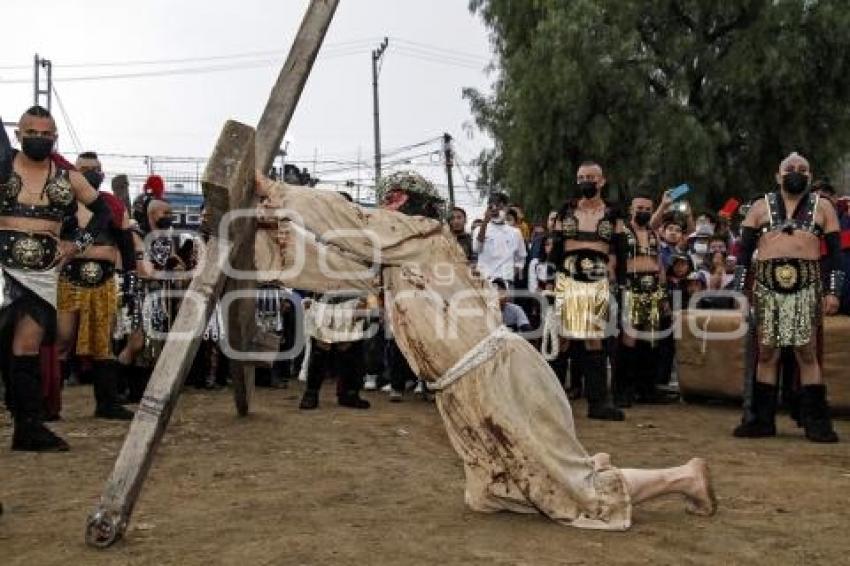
228	186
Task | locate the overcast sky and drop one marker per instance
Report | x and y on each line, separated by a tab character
436	49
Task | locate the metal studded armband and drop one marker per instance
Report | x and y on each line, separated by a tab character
83	239
836	282
131	291
739	279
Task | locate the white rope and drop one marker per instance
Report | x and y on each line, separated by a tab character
550	345
705	334
481	353
308	346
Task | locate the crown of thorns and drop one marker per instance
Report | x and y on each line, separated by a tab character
408	181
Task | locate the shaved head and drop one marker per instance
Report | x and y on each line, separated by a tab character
794	162
37	120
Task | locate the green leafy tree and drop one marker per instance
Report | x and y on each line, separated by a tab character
709	92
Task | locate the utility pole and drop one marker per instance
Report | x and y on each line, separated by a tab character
376	58
450	161
359	159
38	92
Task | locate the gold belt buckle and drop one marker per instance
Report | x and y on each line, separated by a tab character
646	282
587	265
91	272
786	276
29	252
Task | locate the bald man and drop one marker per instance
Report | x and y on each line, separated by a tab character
588	239
785	228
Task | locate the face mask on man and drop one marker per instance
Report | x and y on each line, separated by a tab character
795	183
95	178
587	189
164	223
642	218
37	148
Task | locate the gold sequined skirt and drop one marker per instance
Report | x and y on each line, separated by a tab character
96	308
787	296
643	303
583	307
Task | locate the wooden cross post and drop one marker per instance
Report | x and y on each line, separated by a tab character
228	186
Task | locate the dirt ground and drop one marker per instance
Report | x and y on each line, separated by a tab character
383	486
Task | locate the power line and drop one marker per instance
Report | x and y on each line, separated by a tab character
442	50
404	148
247	54
75	139
245	65
433	58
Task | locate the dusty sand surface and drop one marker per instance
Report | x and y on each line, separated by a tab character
335	486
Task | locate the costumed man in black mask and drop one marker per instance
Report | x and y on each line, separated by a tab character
785	229
36	197
588	238
154	253
87	295
645	308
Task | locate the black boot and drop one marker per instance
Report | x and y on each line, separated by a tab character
30	433
138	381
349	370
315	375
310	400
814	413
624	376
760	420
647	359
596	388
106	394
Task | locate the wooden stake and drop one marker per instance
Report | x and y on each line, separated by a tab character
228	185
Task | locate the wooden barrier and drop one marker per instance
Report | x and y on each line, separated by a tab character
713	368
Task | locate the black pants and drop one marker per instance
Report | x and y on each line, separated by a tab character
400	371
344	361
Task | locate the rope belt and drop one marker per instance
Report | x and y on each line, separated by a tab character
481	353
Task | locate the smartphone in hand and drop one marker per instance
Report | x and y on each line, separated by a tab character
679	192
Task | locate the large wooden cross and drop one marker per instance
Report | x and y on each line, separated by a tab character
228	185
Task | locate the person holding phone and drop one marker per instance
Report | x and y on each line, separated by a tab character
500	247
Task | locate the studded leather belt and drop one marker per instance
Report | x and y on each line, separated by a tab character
32	252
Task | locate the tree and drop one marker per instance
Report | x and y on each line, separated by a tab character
710	92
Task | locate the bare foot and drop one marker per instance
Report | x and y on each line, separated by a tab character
701	498
601	461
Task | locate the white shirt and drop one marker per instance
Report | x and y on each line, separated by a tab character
502	251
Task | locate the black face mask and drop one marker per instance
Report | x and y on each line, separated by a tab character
795	183
642	218
37	148
95	178
587	189
164	223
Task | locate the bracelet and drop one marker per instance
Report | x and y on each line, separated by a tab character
83	240
836	282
